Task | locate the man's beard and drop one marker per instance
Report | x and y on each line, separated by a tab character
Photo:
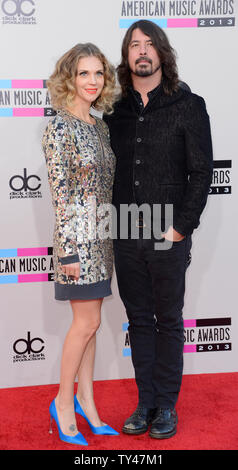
144	70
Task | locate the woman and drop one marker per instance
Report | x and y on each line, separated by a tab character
81	167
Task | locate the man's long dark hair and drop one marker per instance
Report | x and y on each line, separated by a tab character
165	51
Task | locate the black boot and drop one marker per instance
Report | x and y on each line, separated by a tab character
164	424
139	421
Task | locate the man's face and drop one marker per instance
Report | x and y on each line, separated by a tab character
142	56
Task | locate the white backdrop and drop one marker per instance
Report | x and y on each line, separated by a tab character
33	35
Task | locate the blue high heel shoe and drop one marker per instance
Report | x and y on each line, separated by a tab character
78	439
99	430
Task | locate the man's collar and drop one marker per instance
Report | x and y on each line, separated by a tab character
150	94
154	92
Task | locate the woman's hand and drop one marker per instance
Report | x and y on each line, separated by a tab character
71	270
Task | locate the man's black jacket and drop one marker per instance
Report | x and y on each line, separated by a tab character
164	154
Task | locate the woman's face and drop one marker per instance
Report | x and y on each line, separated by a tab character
89	80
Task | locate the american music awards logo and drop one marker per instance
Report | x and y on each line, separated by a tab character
24	98
18	12
21	265
179	13
221	180
200	335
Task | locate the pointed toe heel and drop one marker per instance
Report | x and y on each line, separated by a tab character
105	430
78	439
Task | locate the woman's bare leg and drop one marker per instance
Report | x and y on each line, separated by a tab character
86	320
85	383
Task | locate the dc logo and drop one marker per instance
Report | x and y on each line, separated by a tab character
25	183
18	7
23	346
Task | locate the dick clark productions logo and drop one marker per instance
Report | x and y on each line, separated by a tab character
18	11
25	186
28	349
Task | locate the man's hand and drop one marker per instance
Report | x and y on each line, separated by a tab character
172	235
71	270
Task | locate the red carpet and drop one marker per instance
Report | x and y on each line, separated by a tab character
207	411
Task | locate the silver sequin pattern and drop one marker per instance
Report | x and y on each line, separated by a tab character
81	167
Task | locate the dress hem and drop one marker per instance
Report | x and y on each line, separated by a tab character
92	291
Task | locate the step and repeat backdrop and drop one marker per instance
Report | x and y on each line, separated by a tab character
33	35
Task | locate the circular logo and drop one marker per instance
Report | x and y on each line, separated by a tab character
23	346
24	182
18	7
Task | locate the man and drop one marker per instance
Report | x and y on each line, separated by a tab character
160	134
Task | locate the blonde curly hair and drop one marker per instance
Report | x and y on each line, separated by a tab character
61	83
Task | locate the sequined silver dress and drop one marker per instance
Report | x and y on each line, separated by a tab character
81	166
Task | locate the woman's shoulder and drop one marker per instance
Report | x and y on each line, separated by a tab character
58	124
101	125
56	132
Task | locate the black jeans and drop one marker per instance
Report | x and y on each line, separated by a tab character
151	285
